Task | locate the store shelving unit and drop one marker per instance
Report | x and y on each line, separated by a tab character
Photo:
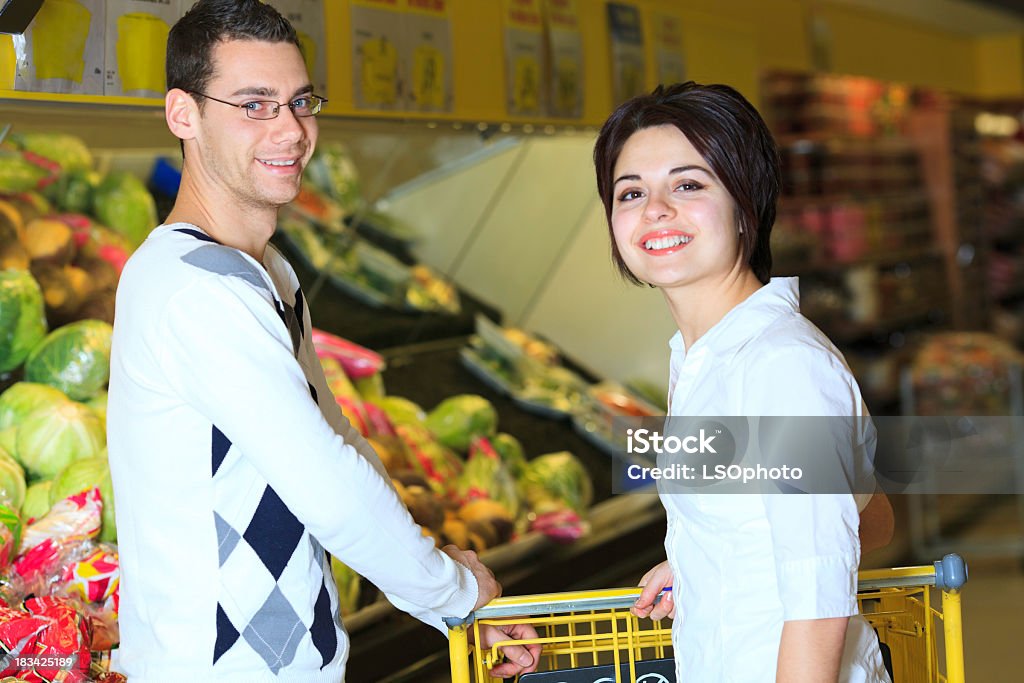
857	221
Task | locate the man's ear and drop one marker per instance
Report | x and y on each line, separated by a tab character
182	113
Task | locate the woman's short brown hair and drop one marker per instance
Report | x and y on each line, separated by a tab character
728	133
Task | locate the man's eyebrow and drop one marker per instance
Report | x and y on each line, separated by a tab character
674	171
255	90
260	91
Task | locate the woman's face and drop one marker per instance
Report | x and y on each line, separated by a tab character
672	219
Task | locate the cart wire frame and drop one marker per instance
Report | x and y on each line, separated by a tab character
595	628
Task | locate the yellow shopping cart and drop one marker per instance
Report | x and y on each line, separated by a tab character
590	636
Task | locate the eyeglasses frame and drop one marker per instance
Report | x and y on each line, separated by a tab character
277	106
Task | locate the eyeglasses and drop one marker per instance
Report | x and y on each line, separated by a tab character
263	110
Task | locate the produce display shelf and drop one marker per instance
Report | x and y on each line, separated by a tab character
377	327
625	539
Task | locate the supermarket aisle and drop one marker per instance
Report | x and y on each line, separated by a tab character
993	600
993	603
993	623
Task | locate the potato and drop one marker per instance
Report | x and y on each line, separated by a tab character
457	532
13	256
49	242
425	509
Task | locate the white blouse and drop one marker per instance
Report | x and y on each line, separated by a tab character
744	564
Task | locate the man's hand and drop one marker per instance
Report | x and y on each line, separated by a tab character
488	587
653	583
521	658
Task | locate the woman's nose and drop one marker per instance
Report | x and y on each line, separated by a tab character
658	208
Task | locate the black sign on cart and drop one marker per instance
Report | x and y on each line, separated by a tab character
648	671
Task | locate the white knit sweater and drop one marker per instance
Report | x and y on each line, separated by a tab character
234	469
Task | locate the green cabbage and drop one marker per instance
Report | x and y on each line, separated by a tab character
74	191
17	174
485	476
400	410
456	420
511	452
332	171
122	202
99	404
83	475
347	581
9	441
23	398
37	500
22	317
54	436
12	482
74	358
438	465
67	151
557	481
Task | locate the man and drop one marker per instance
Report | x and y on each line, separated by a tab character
234	468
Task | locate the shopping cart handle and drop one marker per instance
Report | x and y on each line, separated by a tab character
454	622
950	573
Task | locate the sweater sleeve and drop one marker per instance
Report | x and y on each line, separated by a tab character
332	413
229	355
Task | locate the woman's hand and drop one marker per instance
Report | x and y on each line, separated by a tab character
654	582
521	658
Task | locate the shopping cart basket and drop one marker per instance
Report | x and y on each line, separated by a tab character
590	637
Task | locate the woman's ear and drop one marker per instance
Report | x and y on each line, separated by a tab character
181	113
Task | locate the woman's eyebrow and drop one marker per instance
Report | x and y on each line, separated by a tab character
690	167
674	171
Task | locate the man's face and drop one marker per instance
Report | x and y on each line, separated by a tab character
258	163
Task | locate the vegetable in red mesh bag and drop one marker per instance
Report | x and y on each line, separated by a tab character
18	634
95	577
62	651
357	361
77	517
54	541
438	465
46	641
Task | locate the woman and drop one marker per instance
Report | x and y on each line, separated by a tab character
765	584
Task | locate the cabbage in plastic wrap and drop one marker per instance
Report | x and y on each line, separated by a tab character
22	317
74	358
557	481
457	419
122	202
485	476
332	171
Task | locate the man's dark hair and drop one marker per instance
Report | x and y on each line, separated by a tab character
192	39
728	133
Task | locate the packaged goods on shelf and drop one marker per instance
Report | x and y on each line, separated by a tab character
964	373
836	105
524	367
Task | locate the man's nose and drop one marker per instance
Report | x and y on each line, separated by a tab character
287	126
